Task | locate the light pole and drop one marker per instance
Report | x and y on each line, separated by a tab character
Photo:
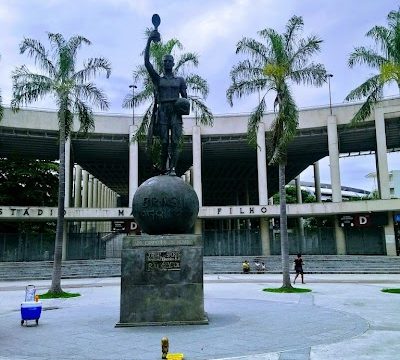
133	87
328	76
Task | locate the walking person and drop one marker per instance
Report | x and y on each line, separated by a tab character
298	267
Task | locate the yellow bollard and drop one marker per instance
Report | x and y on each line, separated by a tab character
164	347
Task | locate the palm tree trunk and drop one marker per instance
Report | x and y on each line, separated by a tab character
283	228
56	277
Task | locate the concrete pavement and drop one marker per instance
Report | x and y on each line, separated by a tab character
344	317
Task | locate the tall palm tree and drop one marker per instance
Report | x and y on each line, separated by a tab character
272	66
385	58
197	86
73	92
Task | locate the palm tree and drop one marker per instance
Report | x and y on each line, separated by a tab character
272	66
385	58
72	91
197	86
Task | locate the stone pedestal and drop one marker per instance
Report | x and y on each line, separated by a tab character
162	280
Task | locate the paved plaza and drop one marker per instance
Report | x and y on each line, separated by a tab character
344	317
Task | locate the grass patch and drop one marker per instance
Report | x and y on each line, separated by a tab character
57	295
287	290
391	291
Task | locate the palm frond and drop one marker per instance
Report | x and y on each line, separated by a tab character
284	127
246	70
374	89
37	51
202	112
362	55
185	60
56	40
171	44
76	42
255	49
197	85
141	97
365	110
85	115
140	74
294	25
306	48
314	74
365	89
381	36
91	68
242	88
91	93
254	121
28	87
276	48
140	134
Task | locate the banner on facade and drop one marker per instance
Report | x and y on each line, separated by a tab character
364	220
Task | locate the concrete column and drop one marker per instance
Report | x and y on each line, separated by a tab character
133	164
90	199
340	238
298	190
381	151
262	166
196	144
265	238
303	244
317	181
85	181
390	238
263	188
65	242
101	203
68	174
333	146
95	199
78	186
67	199
107	202
198	227
90	191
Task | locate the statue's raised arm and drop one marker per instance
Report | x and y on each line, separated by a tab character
155	37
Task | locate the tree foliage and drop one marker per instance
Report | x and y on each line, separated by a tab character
291	196
73	92
384	58
28	182
272	65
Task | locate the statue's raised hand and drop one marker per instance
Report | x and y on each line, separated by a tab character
155	36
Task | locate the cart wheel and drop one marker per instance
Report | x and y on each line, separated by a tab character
37	321
22	322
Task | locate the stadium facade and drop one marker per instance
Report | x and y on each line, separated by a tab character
233	181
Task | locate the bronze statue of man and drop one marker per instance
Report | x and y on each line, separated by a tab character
170	91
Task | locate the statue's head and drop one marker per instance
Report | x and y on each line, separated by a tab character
168	61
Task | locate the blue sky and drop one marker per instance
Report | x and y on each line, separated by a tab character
211	28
